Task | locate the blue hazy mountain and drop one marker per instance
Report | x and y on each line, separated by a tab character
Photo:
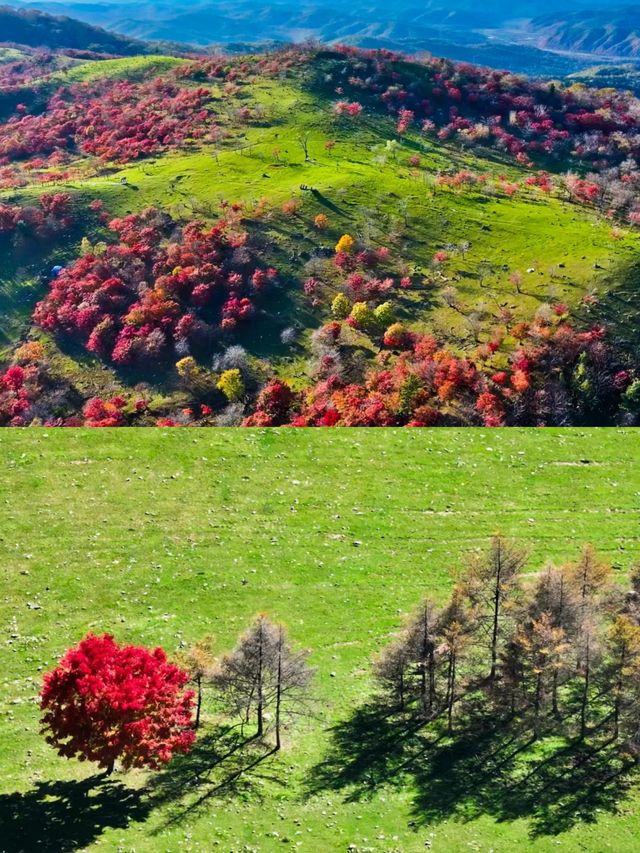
525	35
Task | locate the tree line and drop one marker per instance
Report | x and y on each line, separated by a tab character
559	650
556	651
109	703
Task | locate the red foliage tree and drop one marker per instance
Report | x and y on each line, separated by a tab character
105	702
155	289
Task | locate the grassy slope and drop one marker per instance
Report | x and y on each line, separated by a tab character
163	537
570	248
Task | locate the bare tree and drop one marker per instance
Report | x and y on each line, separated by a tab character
422	639
511	675
264	674
623	668
490	582
454	631
391	670
543	647
292	679
303	142
588	656
591	577
632	599
556	596
406	669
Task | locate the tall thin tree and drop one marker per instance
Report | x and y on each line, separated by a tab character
490	582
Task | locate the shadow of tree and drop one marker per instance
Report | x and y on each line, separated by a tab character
223	763
487	768
370	749
619	308
65	816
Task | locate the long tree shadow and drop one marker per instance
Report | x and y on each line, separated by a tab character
224	763
487	767
65	816
369	749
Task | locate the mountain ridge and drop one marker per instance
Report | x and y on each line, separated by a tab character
613	33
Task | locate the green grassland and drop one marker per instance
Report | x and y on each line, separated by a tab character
130	68
162	537
365	188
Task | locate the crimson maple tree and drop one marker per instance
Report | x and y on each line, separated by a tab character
105	702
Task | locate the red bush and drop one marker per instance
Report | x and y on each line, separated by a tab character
146	294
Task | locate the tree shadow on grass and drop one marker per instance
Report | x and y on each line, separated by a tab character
551	782
370	749
66	816
619	308
223	763
486	768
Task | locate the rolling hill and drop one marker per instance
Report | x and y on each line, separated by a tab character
458	235
37	29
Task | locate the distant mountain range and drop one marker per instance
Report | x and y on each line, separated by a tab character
611	32
525	36
219	21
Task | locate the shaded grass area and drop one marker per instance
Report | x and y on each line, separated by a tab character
485	768
164	536
59	817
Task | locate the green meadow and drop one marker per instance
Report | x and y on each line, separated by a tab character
164	536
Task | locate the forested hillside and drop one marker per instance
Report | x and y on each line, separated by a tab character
315	237
37	29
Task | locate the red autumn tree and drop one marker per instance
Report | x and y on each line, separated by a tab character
105	702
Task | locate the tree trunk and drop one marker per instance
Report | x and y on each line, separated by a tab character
618	699
496	616
536	703
452	684
260	703
423	667
199	701
279	692
432	680
585	693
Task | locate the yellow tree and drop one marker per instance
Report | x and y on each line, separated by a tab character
199	661
624	666
232	385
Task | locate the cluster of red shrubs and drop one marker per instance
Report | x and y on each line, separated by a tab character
555	375
114	120
243	69
490	108
120	121
159	289
19	389
52	215
33	64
